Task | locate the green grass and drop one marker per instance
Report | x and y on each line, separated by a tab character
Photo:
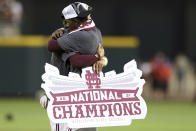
161	116
27	115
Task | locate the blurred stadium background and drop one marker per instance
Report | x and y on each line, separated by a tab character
159	34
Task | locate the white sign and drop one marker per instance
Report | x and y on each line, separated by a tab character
95	100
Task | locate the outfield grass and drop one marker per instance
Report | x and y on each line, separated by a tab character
161	116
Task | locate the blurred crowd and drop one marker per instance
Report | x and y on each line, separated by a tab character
167	79
11	12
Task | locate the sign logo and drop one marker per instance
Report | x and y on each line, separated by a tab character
95	100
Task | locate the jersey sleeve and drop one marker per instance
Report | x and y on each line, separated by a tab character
79	60
53	46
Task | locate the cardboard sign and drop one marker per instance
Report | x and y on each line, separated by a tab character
95	100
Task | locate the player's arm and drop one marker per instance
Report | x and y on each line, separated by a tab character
57	33
97	61
103	61
53	46
79	60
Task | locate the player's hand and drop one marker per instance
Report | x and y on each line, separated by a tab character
98	66
100	51
58	33
44	101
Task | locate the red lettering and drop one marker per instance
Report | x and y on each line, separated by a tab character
65	112
119	109
137	108
91	110
79	111
103	108
55	112
127	108
110	109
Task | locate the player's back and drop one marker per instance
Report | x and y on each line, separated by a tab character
83	41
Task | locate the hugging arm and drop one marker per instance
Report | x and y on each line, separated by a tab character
79	60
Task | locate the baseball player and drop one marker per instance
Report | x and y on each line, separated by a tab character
75	46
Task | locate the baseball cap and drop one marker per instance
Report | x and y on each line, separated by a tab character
76	9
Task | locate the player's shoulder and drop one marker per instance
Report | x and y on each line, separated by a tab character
85	35
87	32
81	34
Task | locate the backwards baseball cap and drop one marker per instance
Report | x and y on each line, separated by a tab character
76	9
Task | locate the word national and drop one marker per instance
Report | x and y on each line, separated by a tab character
97	95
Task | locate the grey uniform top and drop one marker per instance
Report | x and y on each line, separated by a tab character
83	41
